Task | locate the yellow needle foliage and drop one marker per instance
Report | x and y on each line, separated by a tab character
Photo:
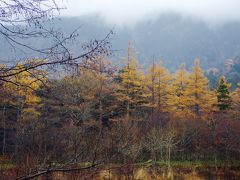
159	80
199	98
236	100
132	90
22	87
177	98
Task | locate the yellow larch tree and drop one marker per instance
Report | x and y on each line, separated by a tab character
22	88
104	88
177	97
159	80
131	91
199	97
236	101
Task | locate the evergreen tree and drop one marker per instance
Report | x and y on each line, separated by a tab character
223	94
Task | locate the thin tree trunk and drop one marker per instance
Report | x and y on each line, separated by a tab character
17	130
100	110
154	159
153	89
128	110
128	86
161	152
101	68
169	157
4	131
214	144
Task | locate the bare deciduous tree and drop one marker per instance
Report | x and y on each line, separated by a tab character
22	21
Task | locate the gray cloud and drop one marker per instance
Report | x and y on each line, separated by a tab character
127	12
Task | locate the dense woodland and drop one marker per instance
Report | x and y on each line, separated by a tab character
103	114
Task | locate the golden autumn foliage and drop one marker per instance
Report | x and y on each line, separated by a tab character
22	91
159	80
132	90
183	94
236	100
128	116
200	99
177	97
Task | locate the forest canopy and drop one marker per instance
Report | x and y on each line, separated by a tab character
103	114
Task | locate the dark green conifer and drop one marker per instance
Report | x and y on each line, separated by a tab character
223	94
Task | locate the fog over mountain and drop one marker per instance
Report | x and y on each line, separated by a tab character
131	12
171	38
174	31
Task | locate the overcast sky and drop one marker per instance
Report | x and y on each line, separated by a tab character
126	12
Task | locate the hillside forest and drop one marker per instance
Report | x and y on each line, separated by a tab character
103	114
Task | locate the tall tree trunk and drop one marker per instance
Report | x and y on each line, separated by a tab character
4	131
169	156
17	129
101	69
153	89
159	94
128	110
100	110
154	157
214	129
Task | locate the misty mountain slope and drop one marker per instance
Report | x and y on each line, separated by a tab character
170	37
176	40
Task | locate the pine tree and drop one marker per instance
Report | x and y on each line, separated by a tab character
223	95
